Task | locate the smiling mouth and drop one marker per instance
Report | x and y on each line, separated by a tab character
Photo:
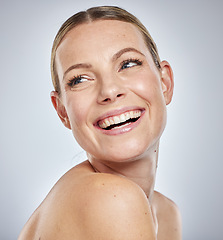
119	121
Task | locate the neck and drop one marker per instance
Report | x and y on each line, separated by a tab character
142	170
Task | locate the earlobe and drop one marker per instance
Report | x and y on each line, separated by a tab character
60	108
167	81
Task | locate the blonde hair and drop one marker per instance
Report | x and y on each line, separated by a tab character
94	14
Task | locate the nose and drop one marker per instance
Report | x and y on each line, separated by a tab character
110	90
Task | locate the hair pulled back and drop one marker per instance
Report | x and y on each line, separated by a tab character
94	14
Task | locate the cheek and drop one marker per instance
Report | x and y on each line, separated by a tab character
147	86
77	109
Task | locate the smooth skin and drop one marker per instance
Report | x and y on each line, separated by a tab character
111	195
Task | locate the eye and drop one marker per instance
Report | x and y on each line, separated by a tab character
77	80
129	63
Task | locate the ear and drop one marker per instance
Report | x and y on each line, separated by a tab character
167	81
60	108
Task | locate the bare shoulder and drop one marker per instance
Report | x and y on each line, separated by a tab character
169	218
166	204
116	207
46	221
105	204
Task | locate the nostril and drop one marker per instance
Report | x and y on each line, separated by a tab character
106	100
111	96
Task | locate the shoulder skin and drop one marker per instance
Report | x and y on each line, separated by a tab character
108	206
169	218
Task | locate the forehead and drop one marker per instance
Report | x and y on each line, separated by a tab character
100	36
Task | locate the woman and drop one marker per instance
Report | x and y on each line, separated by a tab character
111	90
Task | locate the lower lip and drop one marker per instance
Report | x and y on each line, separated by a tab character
123	129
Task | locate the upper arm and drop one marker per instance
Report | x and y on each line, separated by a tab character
115	208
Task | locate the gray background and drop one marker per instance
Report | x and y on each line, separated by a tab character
36	150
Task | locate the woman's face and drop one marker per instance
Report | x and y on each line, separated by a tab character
113	97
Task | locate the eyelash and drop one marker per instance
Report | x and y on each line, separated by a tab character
72	82
133	60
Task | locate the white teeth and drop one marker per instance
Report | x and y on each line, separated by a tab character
136	114
112	122
119	119
127	115
131	114
122	118
121	126
107	123
103	125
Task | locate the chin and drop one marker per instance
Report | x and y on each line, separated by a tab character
127	152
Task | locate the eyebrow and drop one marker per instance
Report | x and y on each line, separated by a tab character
124	50
77	66
114	58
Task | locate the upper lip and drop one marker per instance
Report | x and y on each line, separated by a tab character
116	112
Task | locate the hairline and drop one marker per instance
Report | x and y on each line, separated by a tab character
87	19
